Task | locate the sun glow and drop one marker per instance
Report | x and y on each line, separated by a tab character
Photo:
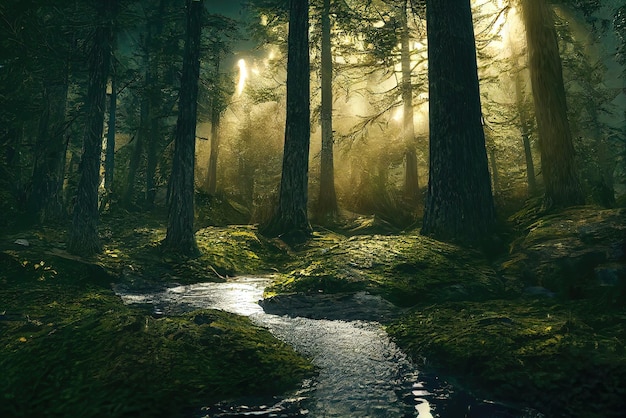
243	76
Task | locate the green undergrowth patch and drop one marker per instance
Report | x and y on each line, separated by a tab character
239	249
564	359
69	347
406	269
132	249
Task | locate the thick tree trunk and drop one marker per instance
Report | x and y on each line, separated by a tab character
290	219
459	205
327	201
411	179
83	234
562	186
180	236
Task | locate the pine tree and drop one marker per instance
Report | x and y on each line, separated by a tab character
291	219
83	234
459	205
180	236
327	201
560	178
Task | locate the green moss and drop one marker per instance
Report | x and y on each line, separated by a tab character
69	347
406	269
562	358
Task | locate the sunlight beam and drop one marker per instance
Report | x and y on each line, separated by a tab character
243	76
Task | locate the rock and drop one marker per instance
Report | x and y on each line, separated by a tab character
575	253
342	306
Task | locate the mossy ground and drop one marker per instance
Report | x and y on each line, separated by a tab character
566	359
406	269
563	353
69	347
468	316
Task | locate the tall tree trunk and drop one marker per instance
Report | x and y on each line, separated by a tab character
459	205
327	200
46	200
411	179
602	181
137	151
109	161
562	186
180	236
525	129
83	234
154	92
151	159
211	183
291	220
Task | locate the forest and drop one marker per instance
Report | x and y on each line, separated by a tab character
322	208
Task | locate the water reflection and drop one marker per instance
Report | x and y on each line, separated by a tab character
361	372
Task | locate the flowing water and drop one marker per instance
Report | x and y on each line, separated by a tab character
362	373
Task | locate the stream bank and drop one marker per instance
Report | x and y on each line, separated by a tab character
542	324
360	371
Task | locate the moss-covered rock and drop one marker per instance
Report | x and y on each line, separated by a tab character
578	253
407	269
564	359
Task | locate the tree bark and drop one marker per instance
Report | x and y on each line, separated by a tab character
180	236
459	206
137	151
525	129
46	201
83	234
560	177
411	177
327	201
211	183
290	220
109	164
154	92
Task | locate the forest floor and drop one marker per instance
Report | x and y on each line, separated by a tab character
542	323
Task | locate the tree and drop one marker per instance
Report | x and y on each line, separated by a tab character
180	236
560	178
161	33
290	219
83	234
211	180
110	148
411	177
218	86
525	122
37	48
459	205
327	200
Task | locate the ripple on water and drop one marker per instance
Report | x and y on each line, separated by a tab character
362	373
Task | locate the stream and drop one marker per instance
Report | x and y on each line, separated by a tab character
362	373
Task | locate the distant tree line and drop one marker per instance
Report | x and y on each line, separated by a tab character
102	100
